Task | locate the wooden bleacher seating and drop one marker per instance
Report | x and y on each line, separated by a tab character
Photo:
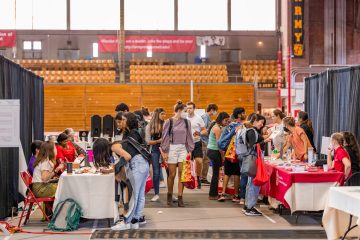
265	71
72	71
178	73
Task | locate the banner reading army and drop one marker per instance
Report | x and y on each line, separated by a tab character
298	28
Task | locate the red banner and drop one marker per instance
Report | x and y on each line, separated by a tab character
7	38
146	43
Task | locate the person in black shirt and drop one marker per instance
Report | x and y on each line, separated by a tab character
352	147
306	125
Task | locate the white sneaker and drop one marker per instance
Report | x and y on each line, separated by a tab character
242	201
135	225
121	226
162	184
174	198
155	198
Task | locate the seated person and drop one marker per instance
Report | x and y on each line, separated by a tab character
44	171
341	161
70	132
65	151
35	147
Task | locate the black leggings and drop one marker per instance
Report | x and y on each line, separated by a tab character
215	158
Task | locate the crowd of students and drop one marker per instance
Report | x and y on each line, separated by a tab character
183	135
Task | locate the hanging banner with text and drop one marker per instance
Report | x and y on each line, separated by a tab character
210	41
149	43
7	38
298	28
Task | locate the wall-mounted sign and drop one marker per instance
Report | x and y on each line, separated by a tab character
210	41
298	28
146	43
7	38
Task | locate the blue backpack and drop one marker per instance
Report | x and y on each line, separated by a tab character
226	135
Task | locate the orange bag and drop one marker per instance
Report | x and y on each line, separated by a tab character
262	176
230	154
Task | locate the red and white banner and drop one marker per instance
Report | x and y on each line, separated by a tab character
7	38
146	43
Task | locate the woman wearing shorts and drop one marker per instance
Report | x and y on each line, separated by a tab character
177	143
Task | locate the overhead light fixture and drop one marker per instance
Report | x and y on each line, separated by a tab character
203	51
260	43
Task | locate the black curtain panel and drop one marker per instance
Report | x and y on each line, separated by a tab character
19	83
332	100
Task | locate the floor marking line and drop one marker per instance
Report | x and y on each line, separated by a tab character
269	218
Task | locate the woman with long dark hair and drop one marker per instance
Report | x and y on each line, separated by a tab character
153	135
306	125
140	170
177	143
214	153
351	145
256	123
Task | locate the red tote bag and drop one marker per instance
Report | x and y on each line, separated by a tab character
262	176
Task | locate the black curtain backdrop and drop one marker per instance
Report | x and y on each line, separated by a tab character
332	100
19	83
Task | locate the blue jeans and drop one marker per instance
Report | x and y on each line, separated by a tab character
243	182
252	194
140	170
155	159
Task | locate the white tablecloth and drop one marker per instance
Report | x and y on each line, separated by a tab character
342	201
305	196
95	193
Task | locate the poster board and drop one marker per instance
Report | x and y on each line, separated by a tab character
9	123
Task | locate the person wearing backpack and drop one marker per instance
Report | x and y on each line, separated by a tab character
214	154
177	143
140	169
252	137
232	168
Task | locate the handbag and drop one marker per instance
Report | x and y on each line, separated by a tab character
248	166
188	174
262	176
141	149
230	153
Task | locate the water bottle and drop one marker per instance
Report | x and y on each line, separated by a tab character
288	155
310	155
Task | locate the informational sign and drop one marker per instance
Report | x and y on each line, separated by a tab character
149	43
7	38
298	28
9	123
210	41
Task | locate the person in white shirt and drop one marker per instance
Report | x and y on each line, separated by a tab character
276	133
197	129
44	166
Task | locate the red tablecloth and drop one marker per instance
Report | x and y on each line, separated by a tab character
281	180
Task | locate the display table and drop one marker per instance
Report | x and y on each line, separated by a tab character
299	191
95	193
342	202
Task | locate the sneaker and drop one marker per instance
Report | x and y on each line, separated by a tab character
244	209
162	184
236	199
242	201
134	224
121	226
155	198
253	212
174	198
142	221
221	198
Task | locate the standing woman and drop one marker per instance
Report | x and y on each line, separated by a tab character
297	139
352	147
153	135
177	143
278	129
140	170
306	125
252	138
214	153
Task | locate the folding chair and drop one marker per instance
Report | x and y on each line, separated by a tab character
31	199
